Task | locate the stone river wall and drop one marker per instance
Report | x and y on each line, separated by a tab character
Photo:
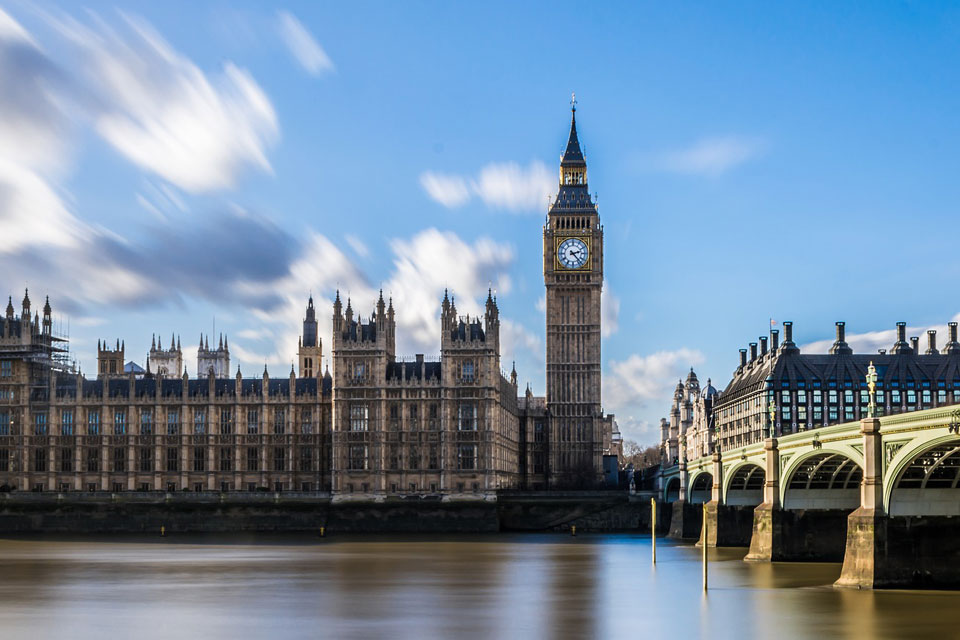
23	513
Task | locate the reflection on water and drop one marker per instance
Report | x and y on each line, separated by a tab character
524	586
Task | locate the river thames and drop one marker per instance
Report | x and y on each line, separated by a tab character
499	586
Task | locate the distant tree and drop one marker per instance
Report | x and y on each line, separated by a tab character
632	452
650	457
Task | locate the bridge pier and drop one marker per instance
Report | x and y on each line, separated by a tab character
797	534
685	518
730	525
767	535
885	551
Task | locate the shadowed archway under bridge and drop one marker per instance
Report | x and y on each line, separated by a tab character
825	480
700	488
745	486
929	485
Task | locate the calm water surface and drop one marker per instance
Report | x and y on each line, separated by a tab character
523	586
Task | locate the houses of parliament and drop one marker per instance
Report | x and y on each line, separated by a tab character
378	425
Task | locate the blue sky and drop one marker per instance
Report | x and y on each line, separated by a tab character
165	164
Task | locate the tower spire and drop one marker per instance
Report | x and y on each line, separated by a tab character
573	156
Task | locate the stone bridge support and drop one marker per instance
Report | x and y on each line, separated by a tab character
729	525
767	516
899	551
686	518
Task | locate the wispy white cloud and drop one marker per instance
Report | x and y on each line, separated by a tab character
640	381
450	191
432	261
499	185
424	265
302	45
516	338
161	112
358	246
710	156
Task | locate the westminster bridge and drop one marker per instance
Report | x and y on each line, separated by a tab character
882	495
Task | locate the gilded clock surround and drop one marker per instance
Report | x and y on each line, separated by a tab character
559	266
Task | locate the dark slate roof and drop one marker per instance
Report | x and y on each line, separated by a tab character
306	386
411	370
146	386
465	331
118	387
223	387
361	331
792	367
171	387
280	386
12	327
92	387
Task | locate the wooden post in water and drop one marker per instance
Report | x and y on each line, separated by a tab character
706	531
653	527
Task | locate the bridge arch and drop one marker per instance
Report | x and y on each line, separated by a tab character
924	480
743	484
700	487
822	479
671	492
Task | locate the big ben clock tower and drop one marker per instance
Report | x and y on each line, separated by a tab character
573	276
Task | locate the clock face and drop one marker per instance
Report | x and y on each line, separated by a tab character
572	253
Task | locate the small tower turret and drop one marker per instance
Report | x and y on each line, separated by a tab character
310	349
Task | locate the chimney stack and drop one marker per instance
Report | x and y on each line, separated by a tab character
901	345
952	345
743	357
841	346
931	343
915	344
763	345
753	351
788	345
774	339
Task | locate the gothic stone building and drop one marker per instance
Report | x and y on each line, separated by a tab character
410	426
379	425
121	432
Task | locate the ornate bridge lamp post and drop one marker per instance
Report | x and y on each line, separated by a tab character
872	386
771	409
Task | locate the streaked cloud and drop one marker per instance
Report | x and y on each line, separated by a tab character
423	266
432	261
505	185
302	45
633	385
710	157
450	191
358	246
162	112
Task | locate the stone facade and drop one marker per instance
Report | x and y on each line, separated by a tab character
379	425
417	426
573	277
